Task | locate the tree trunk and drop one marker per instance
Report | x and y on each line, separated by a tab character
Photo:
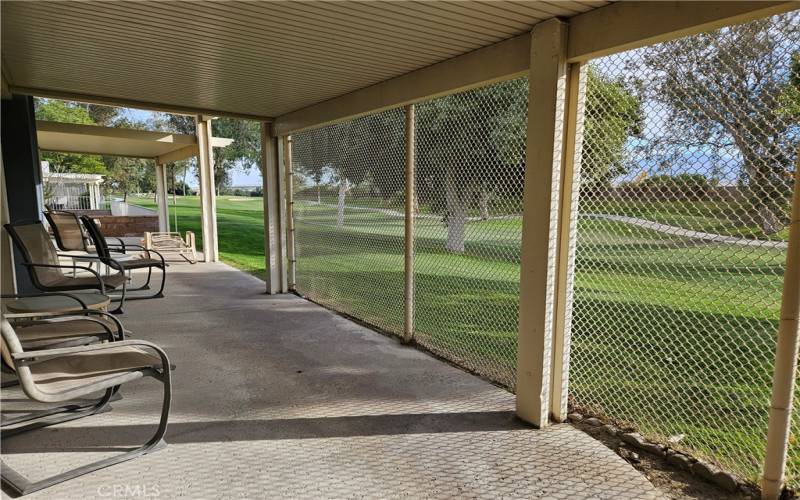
319	195
340	204
125	196
769	222
483	202
456	216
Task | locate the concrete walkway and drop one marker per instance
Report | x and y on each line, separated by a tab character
277	397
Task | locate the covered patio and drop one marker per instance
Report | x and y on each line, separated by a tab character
292	400
277	396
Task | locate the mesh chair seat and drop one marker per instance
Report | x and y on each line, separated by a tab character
44	334
139	263
104	368
89	282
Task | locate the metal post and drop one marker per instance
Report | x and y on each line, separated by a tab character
408	319
290	254
785	357
541	199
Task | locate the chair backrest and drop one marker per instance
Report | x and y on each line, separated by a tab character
36	247
100	245
67	230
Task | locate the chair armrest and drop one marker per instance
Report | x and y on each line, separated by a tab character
84	268
76	314
105	260
120	244
58	294
32	357
74	317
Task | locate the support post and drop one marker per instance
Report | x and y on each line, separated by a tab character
208	201
408	318
274	211
162	198
8	283
786	352
291	259
546	116
567	226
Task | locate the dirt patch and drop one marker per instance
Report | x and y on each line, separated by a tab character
672	482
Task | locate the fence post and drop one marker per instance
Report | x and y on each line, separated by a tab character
408	315
567	226
208	201
785	357
546	115
290	253
274	211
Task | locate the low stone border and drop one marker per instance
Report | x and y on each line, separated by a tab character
678	459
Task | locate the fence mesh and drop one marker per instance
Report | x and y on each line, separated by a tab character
687	161
349	185
470	161
684	191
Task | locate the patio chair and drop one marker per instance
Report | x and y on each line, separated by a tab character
66	328
46	271
144	262
43	329
71	236
66	374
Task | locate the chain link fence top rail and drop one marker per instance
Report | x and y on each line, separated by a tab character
349	186
684	194
469	176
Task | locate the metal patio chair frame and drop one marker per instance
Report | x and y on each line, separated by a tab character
103	283
104	255
24	361
67	226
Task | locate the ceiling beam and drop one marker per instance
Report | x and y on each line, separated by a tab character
177	155
500	61
132	103
628	25
613	28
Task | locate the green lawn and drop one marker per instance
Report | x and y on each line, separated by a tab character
677	339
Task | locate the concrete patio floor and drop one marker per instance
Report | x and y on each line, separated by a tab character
277	397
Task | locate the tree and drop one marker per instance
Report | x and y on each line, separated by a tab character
468	144
790	94
243	153
722	92
67	112
346	153
470	148
612	115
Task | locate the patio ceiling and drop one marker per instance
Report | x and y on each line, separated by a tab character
160	146
251	59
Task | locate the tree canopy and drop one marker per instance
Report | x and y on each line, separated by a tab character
725	91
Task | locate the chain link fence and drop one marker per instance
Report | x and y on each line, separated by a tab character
684	195
470	154
349	186
684	191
